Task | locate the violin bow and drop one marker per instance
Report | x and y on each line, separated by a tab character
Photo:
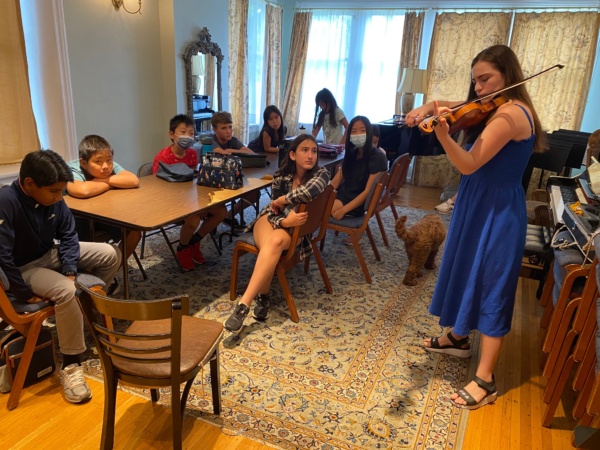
493	94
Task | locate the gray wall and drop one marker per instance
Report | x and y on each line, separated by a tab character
116	77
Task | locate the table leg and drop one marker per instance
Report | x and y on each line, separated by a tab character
124	264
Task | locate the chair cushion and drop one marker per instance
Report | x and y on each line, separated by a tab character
246	238
348	221
199	338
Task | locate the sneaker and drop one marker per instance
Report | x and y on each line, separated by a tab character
113	288
261	310
74	385
236	321
197	255
185	258
446	207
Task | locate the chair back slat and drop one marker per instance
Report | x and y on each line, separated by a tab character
115	335
398	173
375	193
382	179
145	169
140	310
128	345
316	209
331	194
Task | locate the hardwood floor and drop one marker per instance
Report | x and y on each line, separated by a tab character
44	420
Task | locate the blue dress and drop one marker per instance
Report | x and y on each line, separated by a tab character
480	267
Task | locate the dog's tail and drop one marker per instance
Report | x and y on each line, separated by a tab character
401	230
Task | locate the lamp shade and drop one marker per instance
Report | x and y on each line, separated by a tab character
413	81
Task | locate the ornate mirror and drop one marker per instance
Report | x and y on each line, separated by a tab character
203	60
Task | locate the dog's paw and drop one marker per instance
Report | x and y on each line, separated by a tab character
409	281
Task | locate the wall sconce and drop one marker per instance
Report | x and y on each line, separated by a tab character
414	81
118	3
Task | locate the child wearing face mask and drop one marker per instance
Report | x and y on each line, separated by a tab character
330	117
360	167
181	132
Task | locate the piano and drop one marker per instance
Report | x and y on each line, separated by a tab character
565	191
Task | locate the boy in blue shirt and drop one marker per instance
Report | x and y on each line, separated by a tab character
94	173
33	218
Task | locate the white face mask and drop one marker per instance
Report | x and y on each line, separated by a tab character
358	139
185	142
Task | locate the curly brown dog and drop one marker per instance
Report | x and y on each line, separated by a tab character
422	242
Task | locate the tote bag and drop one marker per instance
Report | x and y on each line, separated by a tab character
220	171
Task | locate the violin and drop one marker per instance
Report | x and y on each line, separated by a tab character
466	116
473	112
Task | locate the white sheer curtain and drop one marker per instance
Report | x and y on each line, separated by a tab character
256	60
354	54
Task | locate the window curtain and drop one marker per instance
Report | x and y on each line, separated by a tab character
274	21
543	40
412	37
455	42
349	53
238	67
295	72
18	131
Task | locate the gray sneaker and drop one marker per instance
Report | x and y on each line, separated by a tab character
74	385
261	310
445	207
236	321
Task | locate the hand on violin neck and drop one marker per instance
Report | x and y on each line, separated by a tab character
440	124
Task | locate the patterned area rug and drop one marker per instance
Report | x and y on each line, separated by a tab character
351	375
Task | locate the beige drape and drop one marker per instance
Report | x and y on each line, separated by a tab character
238	67
295	72
412	36
543	40
18	131
457	38
274	22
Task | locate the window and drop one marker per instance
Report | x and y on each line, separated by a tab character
256	61
356	55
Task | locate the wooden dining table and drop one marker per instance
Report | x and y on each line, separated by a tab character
157	203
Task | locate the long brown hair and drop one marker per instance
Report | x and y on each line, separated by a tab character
288	166
506	62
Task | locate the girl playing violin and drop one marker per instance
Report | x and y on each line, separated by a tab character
480	267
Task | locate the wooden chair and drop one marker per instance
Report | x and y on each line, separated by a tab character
398	172
145	170
318	210
568	344
354	227
27	319
162	347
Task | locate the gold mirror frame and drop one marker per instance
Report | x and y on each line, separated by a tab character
204	45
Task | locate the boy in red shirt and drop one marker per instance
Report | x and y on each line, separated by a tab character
181	132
